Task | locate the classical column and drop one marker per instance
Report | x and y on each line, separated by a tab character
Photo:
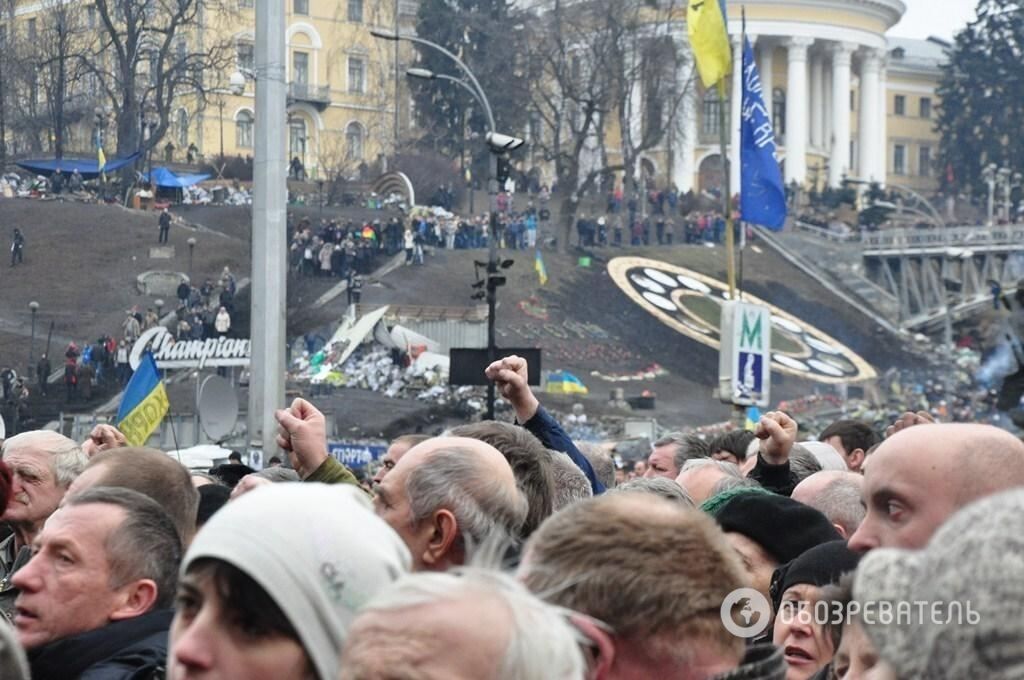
840	161
766	50
685	129
735	102
817	101
870	64
796	110
882	158
826	109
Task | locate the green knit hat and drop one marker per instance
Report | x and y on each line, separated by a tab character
712	504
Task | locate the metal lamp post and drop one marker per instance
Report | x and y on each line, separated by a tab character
989	175
33	307
497	144
1003	180
191	247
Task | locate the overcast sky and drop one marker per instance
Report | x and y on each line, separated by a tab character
940	18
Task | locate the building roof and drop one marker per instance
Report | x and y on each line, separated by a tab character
917	55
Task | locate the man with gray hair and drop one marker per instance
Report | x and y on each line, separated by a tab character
669	453
600	460
43	464
571	485
835	494
468	623
704	478
659	486
96	596
446	497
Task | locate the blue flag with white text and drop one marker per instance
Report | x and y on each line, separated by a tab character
762	193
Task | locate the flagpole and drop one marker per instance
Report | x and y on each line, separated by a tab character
723	133
743	231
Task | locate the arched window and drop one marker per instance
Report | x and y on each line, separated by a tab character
778	112
182	123
354	138
243	130
297	138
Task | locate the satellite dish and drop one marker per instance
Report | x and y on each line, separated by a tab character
218	407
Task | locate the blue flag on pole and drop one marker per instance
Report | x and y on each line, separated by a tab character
762	194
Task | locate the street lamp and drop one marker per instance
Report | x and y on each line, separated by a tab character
497	144
191	247
989	175
34	308
1003	180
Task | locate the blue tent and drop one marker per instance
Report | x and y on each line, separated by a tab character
165	179
88	168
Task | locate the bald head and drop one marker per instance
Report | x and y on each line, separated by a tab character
837	495
448	495
923	474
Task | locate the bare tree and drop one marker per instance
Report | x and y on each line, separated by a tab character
588	58
62	44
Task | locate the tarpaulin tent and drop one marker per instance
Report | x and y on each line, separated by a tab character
88	168
165	179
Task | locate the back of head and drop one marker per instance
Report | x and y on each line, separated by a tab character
156	475
835	494
145	546
854	434
734	442
656	573
571	485
279	474
659	486
318	551
783	527
529	461
803	463
537	643
687	446
601	461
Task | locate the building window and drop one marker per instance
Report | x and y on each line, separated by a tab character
709	124
900	105
354	142
246	4
355	10
182	128
300	68
853	155
899	160
926	107
779	112
534	127
356	75
246	57
243	130
297	138
31	29
925	169
300	7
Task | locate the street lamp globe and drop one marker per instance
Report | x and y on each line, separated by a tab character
33	306
237	82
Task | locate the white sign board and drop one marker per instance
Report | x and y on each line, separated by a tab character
744	359
171	353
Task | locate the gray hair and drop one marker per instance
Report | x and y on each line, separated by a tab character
571	485
542	643
601	461
145	546
733	477
802	463
279	474
659	486
687	446
483	508
840	501
66	455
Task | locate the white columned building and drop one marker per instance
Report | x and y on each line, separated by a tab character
766	56
867	143
839	164
817	101
797	109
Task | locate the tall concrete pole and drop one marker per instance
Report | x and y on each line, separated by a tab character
269	248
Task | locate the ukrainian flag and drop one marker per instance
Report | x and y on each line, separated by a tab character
542	271
101	160
143	404
563	382
709	39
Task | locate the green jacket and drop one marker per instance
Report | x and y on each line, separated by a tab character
332	472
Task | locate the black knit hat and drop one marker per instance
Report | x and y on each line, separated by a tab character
820	566
783	527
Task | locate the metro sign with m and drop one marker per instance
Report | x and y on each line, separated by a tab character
745	360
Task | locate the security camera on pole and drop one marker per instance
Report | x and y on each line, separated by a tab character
498	144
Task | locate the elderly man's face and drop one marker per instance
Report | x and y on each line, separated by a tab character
66	587
391	504
35	493
662	462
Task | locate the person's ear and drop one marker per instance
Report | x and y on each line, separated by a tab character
600	650
855	460
136	598
444	534
841	530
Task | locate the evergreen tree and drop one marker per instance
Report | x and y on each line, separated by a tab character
981	116
485	35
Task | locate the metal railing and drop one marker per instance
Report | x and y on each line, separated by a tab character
964	237
309	93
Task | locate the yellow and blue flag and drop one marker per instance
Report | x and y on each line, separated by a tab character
542	271
101	160
563	382
143	404
709	39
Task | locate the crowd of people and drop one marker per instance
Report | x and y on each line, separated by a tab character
203	311
506	551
